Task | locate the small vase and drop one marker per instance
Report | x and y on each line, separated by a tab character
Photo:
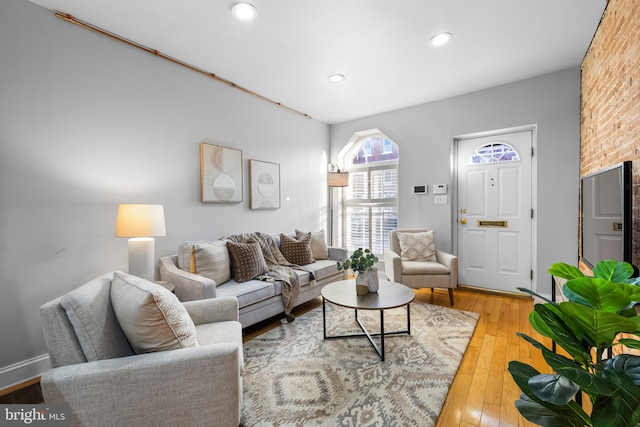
362	284
374	284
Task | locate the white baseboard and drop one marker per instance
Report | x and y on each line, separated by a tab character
23	371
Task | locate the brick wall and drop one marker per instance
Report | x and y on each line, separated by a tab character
610	110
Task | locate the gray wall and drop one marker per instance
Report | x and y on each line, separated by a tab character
425	136
87	123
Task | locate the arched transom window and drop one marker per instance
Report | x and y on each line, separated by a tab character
494	152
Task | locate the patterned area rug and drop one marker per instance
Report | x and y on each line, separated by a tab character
293	377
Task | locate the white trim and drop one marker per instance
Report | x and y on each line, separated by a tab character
23	371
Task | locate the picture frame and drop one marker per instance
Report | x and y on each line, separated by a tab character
220	174
264	189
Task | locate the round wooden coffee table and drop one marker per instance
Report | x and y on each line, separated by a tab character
390	295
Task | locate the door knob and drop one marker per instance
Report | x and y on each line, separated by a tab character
463	221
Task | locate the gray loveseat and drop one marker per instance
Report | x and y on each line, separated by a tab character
96	372
258	300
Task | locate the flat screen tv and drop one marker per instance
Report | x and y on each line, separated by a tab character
606	215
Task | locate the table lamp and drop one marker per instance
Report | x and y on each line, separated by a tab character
141	223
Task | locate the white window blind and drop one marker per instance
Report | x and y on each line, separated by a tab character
370	202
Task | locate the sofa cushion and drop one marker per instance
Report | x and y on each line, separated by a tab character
323	269
417	246
248	292
151	317
211	260
297	250
319	248
247	261
94	322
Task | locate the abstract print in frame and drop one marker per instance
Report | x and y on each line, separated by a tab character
220	174
265	185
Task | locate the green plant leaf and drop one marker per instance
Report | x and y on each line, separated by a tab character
544	319
542	297
620	409
521	372
592	384
554	360
565	271
634	281
600	327
600	294
625	363
613	271
543	416
553	388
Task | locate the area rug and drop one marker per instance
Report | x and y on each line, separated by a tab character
293	377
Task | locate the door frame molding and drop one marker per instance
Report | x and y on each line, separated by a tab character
533	128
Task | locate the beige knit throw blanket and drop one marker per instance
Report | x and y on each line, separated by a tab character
279	267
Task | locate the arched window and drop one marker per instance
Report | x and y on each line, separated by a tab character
494	152
370	202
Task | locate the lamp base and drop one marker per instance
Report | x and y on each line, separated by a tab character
141	257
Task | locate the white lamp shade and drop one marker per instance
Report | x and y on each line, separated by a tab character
135	220
338	179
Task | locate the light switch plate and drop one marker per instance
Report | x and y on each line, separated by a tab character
440	200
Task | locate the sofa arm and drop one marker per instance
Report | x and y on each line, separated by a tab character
337	254
393	265
451	261
192	386
213	310
189	286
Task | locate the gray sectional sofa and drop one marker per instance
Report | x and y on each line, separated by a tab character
258	299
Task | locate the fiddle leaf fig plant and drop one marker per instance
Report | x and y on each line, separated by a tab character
597	310
360	261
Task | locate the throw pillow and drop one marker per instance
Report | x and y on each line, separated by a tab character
417	246
297	251
151	317
247	261
186	256
211	259
319	248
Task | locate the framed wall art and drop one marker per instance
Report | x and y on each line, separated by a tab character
265	185
220	174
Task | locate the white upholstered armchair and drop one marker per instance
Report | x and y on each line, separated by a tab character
96	369
413	260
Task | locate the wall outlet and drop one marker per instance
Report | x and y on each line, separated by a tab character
440	200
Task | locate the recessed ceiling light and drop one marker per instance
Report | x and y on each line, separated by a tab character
336	78
440	39
244	11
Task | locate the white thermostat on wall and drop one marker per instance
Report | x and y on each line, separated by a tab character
439	188
419	189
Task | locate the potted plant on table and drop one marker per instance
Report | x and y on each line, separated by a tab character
598	309
363	263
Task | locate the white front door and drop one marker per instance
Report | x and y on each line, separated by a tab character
494	211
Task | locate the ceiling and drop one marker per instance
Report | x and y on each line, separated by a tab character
289	51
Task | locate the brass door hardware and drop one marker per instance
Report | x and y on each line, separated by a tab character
493	224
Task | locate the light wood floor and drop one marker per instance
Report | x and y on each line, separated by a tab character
483	392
